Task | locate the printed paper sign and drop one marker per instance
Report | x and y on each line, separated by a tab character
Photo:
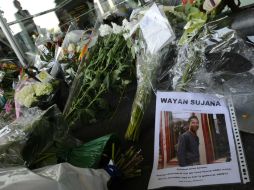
194	143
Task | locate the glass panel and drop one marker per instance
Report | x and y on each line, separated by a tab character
6	51
15	10
27	18
23	6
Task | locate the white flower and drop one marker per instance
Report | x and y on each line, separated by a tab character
127	25
129	28
71	48
105	30
78	49
117	29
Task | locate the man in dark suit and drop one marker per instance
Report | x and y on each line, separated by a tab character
28	24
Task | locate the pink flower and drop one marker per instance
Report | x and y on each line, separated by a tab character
8	107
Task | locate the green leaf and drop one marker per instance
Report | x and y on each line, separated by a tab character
133	53
106	81
102	103
109	60
129	43
94	83
194	10
126	82
115	75
89	154
187	7
199	2
90	112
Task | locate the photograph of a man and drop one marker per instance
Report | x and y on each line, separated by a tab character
188	145
189	138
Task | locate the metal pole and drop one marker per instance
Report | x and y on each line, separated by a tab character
15	46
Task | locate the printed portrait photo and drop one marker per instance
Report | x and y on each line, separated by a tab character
188	139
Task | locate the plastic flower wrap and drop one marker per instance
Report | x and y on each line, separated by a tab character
60	55
25	140
60	176
154	34
147	66
30	93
